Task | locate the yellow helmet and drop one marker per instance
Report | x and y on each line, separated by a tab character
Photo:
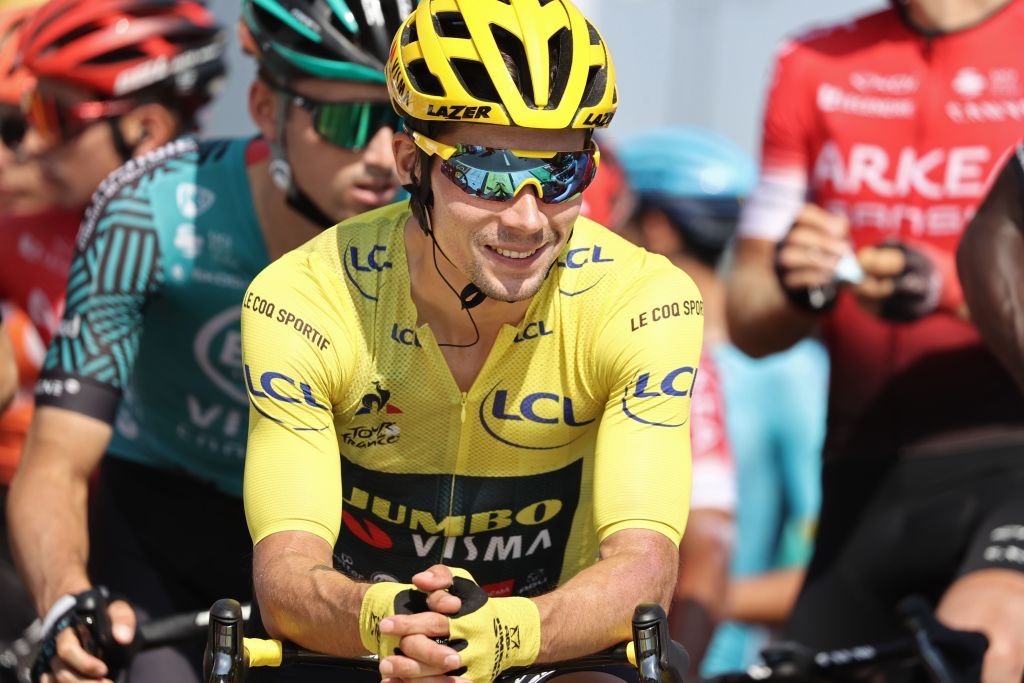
527	63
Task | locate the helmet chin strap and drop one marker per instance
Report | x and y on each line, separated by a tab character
282	176
471	296
124	150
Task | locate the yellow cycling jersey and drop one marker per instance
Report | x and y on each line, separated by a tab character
576	427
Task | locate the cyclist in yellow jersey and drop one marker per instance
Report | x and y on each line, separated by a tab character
470	413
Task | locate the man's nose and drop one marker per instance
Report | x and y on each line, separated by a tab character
524	212
378	153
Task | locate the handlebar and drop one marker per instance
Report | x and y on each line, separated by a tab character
944	655
18	658
229	656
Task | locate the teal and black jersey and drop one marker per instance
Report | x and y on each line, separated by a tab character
150	339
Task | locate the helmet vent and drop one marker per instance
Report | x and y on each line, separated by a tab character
359	13
7	37
335	22
474	78
559	54
125	54
78	33
597	81
423	80
515	61
411	34
451	25
595	37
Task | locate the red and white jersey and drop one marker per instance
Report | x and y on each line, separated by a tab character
714	472
35	254
37	251
902	133
29	353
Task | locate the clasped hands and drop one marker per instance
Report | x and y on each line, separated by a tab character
445	627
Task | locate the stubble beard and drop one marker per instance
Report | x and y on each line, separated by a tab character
492	287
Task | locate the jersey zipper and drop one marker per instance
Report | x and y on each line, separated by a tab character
464	397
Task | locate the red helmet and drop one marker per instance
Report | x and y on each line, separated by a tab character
115	48
609	199
13	80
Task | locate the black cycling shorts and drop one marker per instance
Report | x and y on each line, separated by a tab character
890	528
16	608
170	544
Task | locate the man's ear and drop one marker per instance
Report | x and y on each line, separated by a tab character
263	109
406	156
150	126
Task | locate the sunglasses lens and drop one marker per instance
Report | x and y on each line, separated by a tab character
497	174
12	129
56	123
47	118
352	125
570	176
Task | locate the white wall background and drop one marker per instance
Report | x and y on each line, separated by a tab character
228	116
702	62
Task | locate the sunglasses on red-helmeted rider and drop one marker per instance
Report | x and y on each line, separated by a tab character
12	127
57	122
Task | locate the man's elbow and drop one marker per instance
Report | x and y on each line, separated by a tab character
271	623
750	344
661	569
272	609
748	327
746	334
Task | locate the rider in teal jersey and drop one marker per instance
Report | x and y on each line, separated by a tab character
146	365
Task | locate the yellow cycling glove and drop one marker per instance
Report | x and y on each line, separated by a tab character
383	600
491	634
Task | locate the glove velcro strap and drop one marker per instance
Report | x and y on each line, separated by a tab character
383	600
514	625
492	634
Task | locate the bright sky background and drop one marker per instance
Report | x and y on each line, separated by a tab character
701	62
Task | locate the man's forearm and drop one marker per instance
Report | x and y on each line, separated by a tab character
49	535
761	320
593	610
47	504
765	598
305	600
699	601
